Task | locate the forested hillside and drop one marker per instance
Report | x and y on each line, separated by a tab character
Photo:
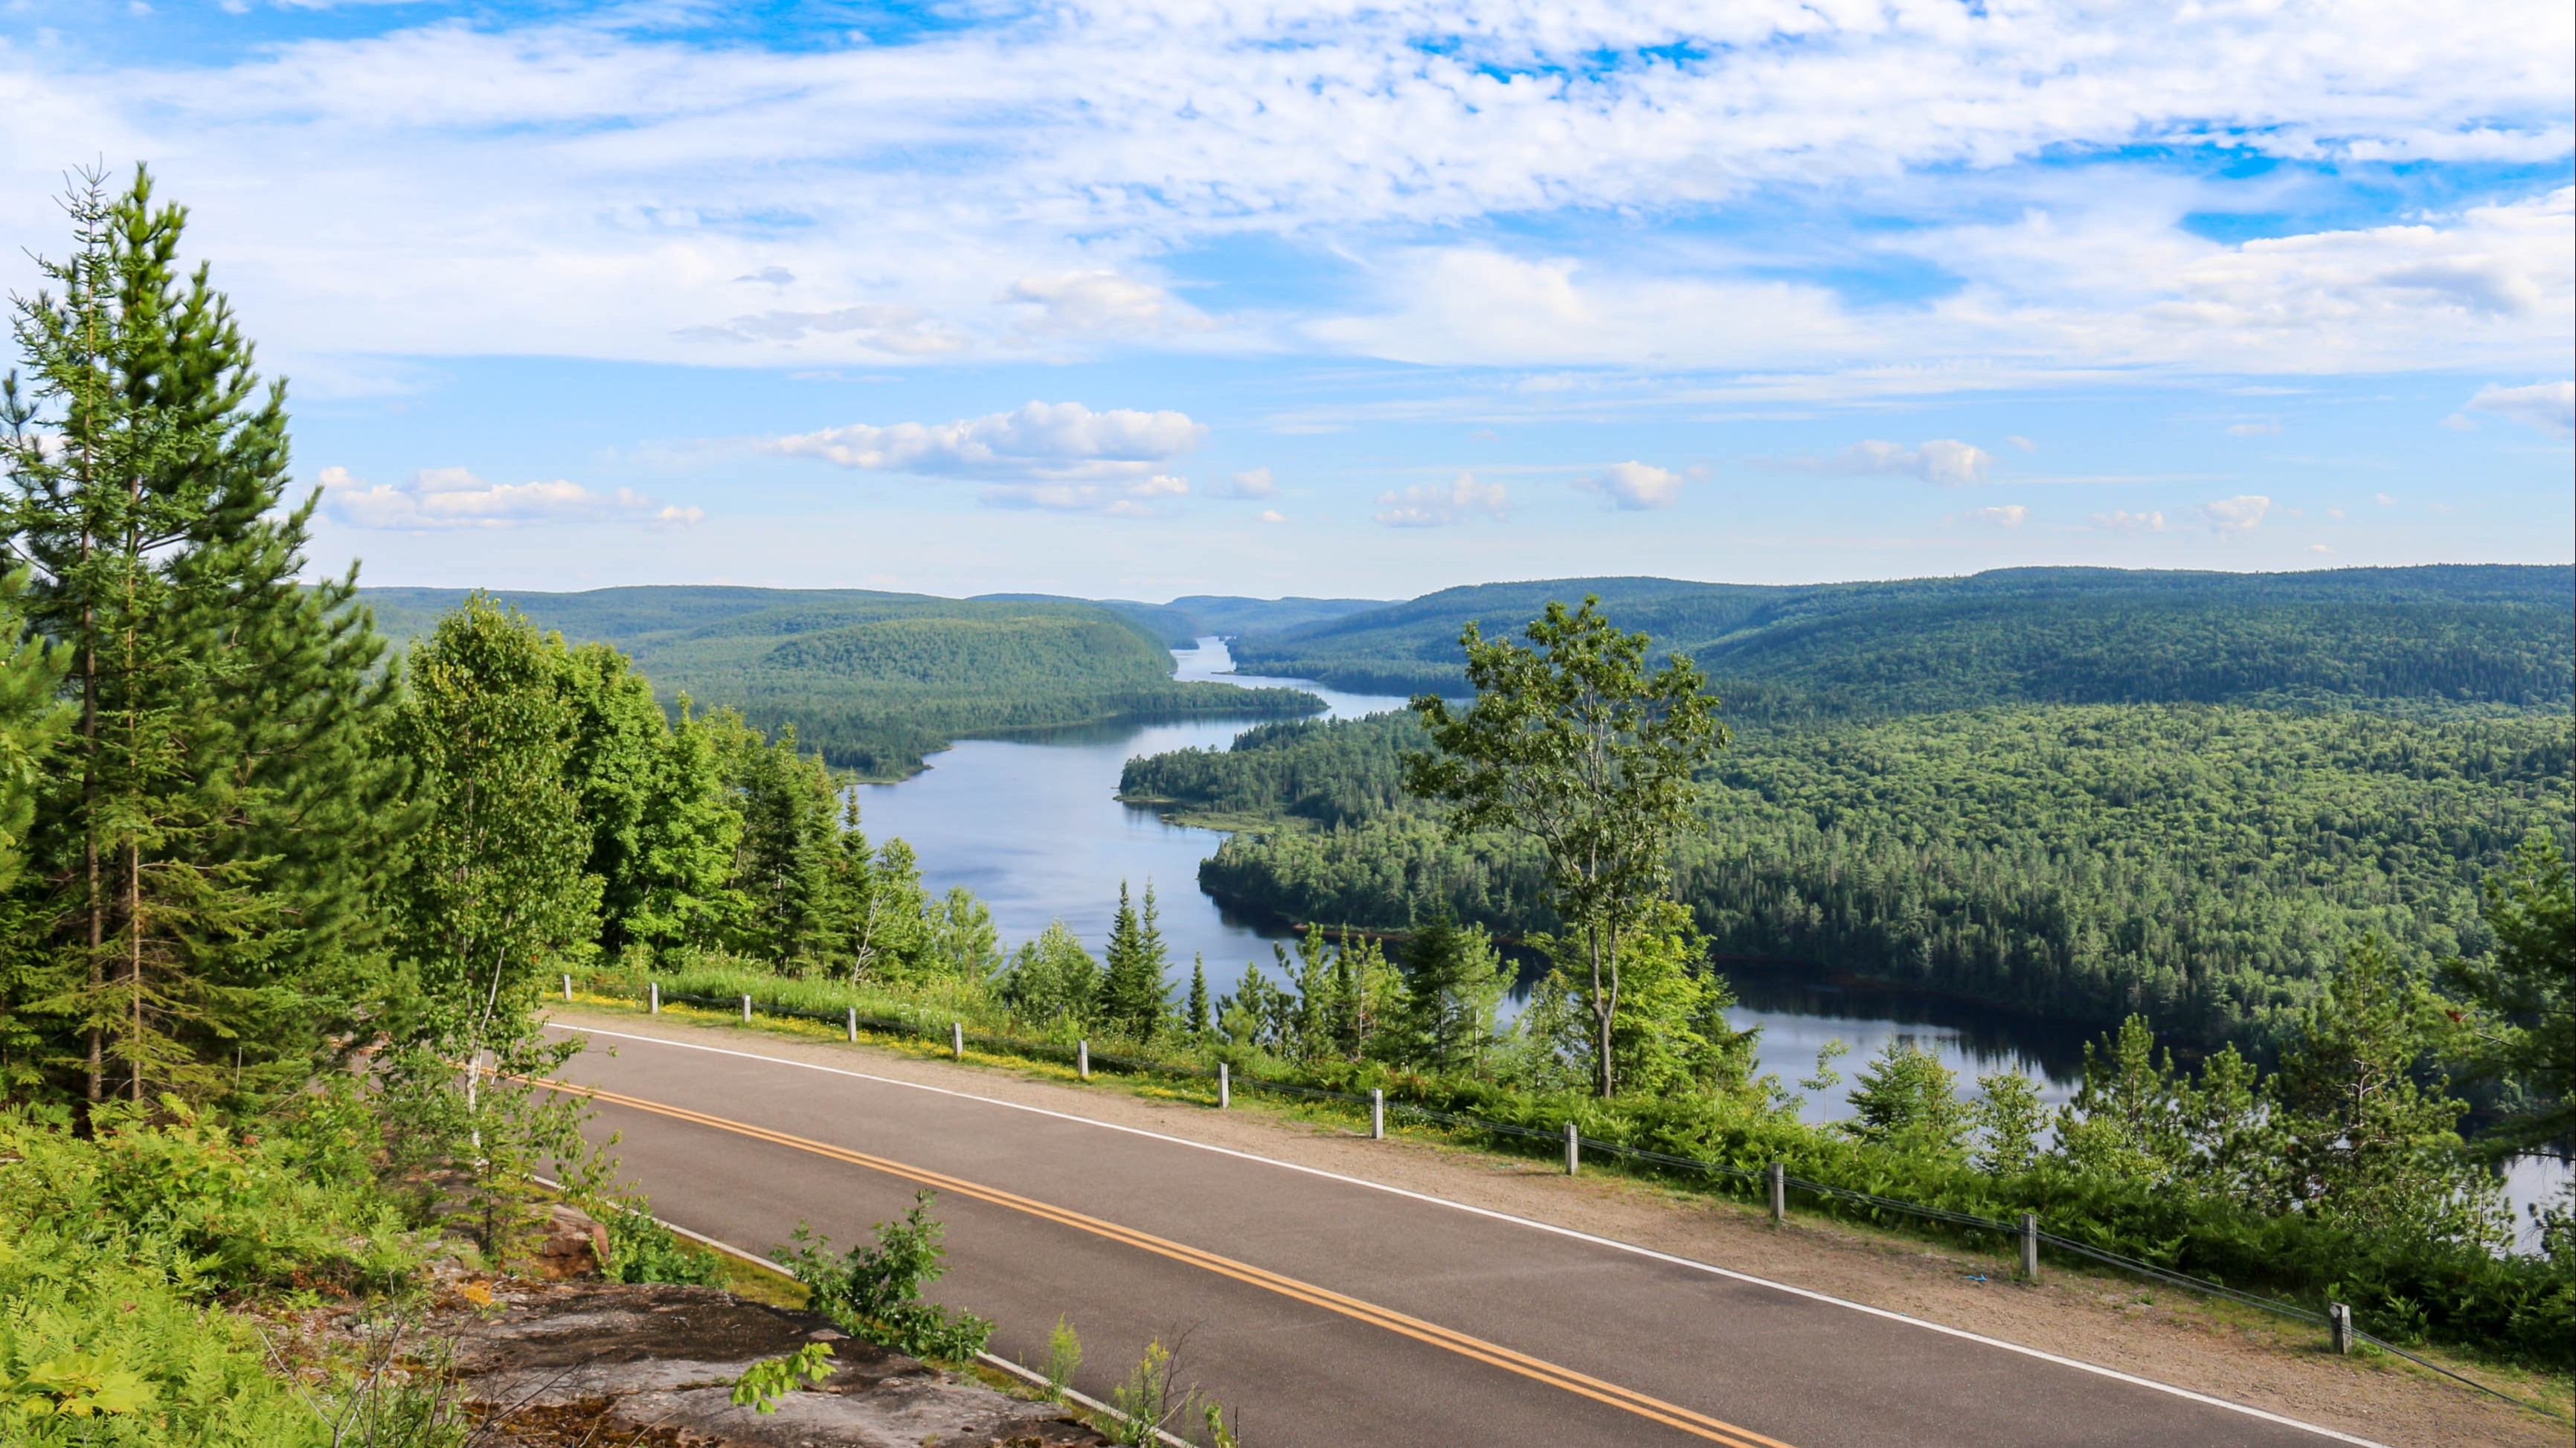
1183	621
2203	863
2486	634
874	680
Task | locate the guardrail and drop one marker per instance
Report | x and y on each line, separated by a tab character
2336	1319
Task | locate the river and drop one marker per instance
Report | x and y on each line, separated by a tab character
1033	826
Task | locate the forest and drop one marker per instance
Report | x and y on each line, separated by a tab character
2355	637
875	681
2203	864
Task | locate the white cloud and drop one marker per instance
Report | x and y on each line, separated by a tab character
1098	303
1432	505
2383	500
2254	429
2023	443
456	498
1140	499
2547	406
2128	522
2240	514
1257	483
1273	515
2319	548
2009	515
1635	486
1945	461
1063	442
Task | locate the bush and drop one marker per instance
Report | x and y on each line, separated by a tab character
875	1292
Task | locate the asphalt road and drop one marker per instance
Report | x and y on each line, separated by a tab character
1323	1311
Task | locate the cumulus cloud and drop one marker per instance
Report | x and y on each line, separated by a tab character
2023	443
2383	500
1434	505
1061	442
1098	303
2549	407
1945	461
1273	515
456	498
1634	486
1257	483
2127	522
2240	514
2009	515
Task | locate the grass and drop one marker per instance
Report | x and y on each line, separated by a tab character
2108	1288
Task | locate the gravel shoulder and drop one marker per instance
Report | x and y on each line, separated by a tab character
2172	1338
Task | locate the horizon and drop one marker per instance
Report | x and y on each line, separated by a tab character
1122	301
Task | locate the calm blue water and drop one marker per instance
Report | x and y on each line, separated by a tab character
1032	825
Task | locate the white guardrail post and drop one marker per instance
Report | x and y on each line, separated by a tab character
567	987
746	1010
1573	1150
1224	1087
1377	1114
1082	1058
854	1025
2339	1323
2030	1246
653	998
1779	1176
957	1040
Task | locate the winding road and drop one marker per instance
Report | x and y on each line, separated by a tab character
1324	1310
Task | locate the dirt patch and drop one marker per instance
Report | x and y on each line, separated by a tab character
2173	1338
605	1363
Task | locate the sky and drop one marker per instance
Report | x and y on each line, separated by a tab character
1207	296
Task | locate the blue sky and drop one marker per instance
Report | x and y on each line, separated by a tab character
1143	300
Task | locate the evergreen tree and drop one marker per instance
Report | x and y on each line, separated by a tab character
2008	1118
221	825
32	722
2522	999
788	852
1131	986
1051	982
1198	1009
1454	981
2368	1134
1907	1099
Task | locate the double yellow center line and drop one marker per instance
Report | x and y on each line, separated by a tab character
1626	1399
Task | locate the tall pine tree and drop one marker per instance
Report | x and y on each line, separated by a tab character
216	833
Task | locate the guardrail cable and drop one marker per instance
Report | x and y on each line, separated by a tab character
1244	1081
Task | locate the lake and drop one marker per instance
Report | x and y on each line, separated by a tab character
1033	826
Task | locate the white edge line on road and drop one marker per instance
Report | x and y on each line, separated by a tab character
1549	1227
1031	1376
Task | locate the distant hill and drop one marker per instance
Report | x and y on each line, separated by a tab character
1184	621
874	680
2487	634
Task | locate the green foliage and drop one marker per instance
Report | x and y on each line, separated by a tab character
1906	1099
1063	1358
1803	653
2007	1117
1454	981
641	1249
1148	1399
1575	747
213	824
2368	1134
875	1292
2523	996
2206	865
876	680
765	1384
1131	1000
1051	983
